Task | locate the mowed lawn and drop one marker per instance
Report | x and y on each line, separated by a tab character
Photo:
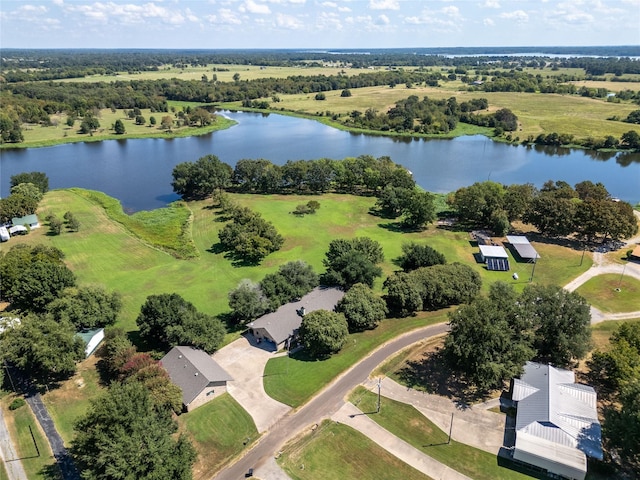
336	452
407	423
37	459
612	293
105	253
219	430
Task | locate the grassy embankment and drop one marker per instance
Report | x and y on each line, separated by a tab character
38	462
59	132
425	436
334	452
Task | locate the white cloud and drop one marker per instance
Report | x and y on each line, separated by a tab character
491	4
384	5
224	17
329	21
344	9
488	22
519	16
252	7
329	4
383	20
288	21
59	3
451	11
32	9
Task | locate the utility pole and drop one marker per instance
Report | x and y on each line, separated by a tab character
584	249
450	429
533	270
379	382
621	275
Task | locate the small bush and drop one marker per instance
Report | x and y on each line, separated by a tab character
17	403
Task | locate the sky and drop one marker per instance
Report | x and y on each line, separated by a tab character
316	24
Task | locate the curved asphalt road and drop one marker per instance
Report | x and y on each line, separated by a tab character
323	405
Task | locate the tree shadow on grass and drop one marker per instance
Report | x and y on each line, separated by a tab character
431	373
51	472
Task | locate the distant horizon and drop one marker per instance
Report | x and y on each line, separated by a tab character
316	24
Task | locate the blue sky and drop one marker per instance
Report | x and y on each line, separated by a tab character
316	23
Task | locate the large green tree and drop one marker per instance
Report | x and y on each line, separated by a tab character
123	436
561	323
353	261
33	276
249	237
292	281
489	342
200	179
87	307
44	349
418	210
247	301
167	320
362	308
323	332
17	205
39	179
416	255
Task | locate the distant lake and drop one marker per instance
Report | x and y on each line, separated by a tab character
138	171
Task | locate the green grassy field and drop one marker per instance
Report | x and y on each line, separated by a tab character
537	113
293	380
336	452
106	253
407	423
602	292
59	132
38	462
219	430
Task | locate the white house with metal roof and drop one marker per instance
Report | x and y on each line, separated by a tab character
198	375
281	327
557	425
495	256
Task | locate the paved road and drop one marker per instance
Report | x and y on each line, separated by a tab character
8	455
323	405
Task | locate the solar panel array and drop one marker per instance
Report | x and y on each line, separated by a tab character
498	264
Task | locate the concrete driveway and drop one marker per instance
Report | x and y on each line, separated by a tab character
245	360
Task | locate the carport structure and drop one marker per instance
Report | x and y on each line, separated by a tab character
523	247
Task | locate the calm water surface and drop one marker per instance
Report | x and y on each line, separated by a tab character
138	172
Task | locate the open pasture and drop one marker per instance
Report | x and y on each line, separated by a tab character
105	252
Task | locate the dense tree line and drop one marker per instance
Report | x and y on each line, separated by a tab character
616	371
431	288
431	116
556	209
23	64
492	337
364	175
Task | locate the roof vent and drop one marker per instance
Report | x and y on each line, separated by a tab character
179	356
196	374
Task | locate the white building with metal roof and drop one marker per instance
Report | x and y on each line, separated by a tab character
557	425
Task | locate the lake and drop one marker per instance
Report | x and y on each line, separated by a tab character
138	171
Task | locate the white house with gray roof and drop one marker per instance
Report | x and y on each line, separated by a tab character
281	327
198	375
557	425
